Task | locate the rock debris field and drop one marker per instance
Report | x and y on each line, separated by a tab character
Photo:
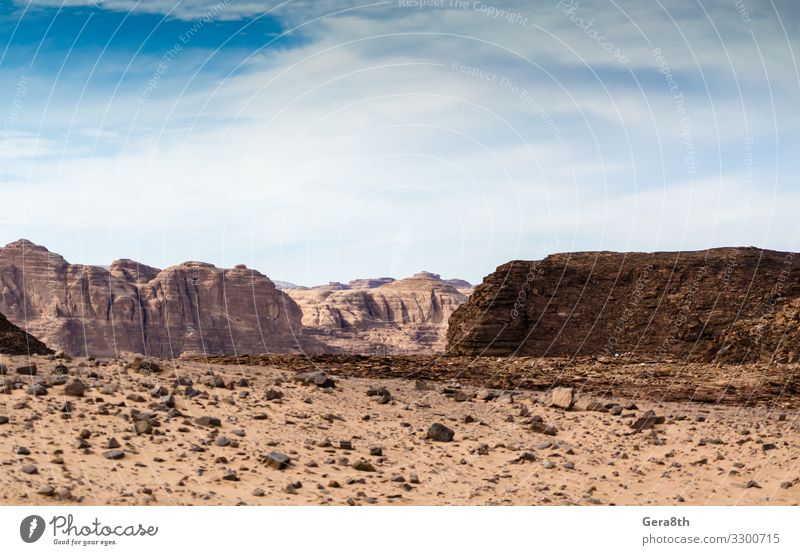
147	432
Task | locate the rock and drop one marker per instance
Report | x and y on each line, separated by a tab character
542	428
3	369
23	451
222	441
405	315
135	397
588	404
27	370
318	378
363	465
647	421
752	484
4	420
114	454
37	390
112	443
47	491
346	444
376	451
154	311
272	395
208	421
142	427
278	461
440	432
768	446
75	388
29	469
616	410
562	397
61	369
230	476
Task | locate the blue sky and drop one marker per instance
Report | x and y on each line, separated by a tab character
332	140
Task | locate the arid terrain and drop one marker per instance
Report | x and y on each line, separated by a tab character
294	430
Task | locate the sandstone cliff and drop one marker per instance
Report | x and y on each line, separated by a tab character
728	304
380	316
192	308
14	341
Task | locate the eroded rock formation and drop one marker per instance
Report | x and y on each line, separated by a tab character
727	304
380	316
14	341
192	308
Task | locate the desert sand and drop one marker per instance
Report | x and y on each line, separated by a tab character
198	433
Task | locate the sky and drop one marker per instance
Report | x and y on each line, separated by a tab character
327	140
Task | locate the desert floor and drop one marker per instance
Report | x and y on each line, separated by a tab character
358	444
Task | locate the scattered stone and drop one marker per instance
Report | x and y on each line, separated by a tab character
75	388
562	397
37	390
363	465
29	370
208	421
647	421
278	461
29	469
440	432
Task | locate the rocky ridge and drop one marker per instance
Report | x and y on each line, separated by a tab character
191	308
381	316
732	305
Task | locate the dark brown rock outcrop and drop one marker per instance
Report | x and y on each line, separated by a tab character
14	341
192	308
728	304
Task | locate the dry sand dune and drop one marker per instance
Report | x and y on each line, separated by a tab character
233	428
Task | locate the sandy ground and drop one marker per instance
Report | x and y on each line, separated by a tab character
702	454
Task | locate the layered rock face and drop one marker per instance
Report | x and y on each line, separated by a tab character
727	304
380	316
193	308
14	341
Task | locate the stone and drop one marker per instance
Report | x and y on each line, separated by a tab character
23	451
114	454
272	395
363	465
37	390
75	388
440	432
376	451
230	476
208	421
542	428
112	443
142	427
135	397
29	469
27	370
278	461
4	420
647	421
752	484
562	397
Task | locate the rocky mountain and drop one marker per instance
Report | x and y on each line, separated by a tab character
14	341
726	304
380	316
192	308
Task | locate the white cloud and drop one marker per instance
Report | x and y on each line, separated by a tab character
314	160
